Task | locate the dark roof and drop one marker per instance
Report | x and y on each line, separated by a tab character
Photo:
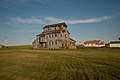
53	25
50	32
68	31
114	42
72	40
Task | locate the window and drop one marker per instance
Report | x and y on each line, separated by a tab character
46	36
49	28
57	28
65	35
55	42
49	35
64	28
46	29
52	35
61	35
53	28
52	43
55	34
49	42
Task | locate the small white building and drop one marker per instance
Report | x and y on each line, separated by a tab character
115	44
2	46
94	43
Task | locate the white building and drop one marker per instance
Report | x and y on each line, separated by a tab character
94	43
2	46
115	44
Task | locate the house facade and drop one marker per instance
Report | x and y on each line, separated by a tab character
94	43
114	44
54	36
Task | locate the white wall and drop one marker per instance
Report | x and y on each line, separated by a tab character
115	45
93	45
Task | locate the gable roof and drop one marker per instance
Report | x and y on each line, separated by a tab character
53	25
96	42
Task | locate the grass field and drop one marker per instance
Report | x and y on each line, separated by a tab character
25	63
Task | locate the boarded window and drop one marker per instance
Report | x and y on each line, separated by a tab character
52	35
55	42
55	34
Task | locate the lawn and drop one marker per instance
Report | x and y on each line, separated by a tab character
25	63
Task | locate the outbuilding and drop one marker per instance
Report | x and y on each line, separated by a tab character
115	44
2	46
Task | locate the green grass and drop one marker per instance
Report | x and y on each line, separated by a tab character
25	63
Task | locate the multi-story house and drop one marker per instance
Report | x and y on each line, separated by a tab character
54	36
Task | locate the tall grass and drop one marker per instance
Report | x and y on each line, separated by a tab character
25	63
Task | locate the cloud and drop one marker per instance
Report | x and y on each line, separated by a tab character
93	20
50	20
11	3
54	20
14	3
31	20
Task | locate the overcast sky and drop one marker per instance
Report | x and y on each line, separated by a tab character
22	20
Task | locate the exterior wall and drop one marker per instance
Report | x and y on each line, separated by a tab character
100	45
93	45
51	41
72	45
64	39
36	43
115	45
59	41
89	45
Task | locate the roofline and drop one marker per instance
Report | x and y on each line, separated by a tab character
52	25
72	39
114	42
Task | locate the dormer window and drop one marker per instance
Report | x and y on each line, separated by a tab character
57	28
49	28
46	29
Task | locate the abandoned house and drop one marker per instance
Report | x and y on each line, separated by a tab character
54	36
